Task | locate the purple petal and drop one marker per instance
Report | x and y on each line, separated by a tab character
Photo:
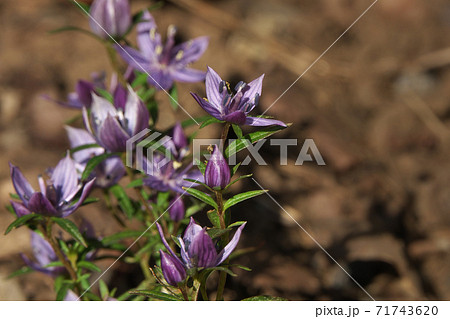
187	75
100	110
191	231
19	209
71	296
42	250
202	250
237	117
66	211
208	107
112	136
21	185
84	91
39	204
164	241
148	39
225	253
35	266
190	51
178	136
177	209
133	58
110	17
217	172
159	77
136	113
259	121
212	83
120	97
65	179
172	269
251	90
109	172
78	137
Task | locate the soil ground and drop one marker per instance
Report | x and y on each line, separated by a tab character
377	105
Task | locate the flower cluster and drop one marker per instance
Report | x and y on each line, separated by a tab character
114	154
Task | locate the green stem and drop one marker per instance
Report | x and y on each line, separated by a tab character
224	134
47	232
115	63
112	208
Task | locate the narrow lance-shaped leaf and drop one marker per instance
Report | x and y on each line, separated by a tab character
21	221
124	201
241	197
252	138
70	228
201	196
155	295
93	162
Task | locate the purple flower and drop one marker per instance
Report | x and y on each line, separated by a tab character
177	209
108	172
198	249
165	63
164	175
112	16
233	108
56	194
178	144
112	125
43	254
172	269
217	172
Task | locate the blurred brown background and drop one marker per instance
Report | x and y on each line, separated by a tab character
377	105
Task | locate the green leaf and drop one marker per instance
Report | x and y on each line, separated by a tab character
216	232
252	138
124	201
264	298
77	29
201	196
122	235
83	147
54	264
173	97
104	291
22	221
228	271
194	121
236	224
136	183
88	265
241	197
14	196
238	179
22	271
93	162
62	292
141	78
105	94
155	295
235	168
214	218
201	166
194	209
237	130
209	121
197	182
241	267
70	228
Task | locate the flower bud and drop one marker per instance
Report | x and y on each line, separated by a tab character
217	173
177	210
110	18
172	269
